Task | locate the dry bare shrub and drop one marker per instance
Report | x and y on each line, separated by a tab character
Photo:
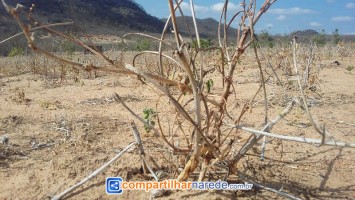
193	120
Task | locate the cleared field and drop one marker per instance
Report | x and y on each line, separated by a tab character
62	125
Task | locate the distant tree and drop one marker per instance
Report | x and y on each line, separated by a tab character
265	39
335	36
144	45
204	43
320	38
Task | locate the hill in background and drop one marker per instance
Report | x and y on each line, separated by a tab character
116	17
104	16
208	28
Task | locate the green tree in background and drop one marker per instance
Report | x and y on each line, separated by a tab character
320	38
204	43
144	45
265	39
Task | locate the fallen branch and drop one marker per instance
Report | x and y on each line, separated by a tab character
293	138
95	173
255	138
262	186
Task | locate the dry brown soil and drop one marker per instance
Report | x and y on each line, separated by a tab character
60	132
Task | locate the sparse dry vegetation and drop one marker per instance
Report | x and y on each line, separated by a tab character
280	117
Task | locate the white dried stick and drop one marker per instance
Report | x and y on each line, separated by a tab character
95	173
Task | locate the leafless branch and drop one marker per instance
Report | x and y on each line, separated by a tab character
292	138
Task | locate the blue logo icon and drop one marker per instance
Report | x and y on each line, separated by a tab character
113	185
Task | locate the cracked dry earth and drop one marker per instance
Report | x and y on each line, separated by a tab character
56	136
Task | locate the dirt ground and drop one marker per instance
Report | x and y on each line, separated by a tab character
60	132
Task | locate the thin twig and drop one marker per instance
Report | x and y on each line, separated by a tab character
166	26
156	53
192	7
119	99
141	151
156	132
149	168
38	28
263	146
302	91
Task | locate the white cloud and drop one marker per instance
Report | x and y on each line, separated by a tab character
281	18
218	7
342	19
315	24
269	25
291	11
185	6
198	9
350	5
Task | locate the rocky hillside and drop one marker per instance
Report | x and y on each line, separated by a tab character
111	17
208	28
103	16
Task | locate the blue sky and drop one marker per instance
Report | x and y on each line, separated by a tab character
284	16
